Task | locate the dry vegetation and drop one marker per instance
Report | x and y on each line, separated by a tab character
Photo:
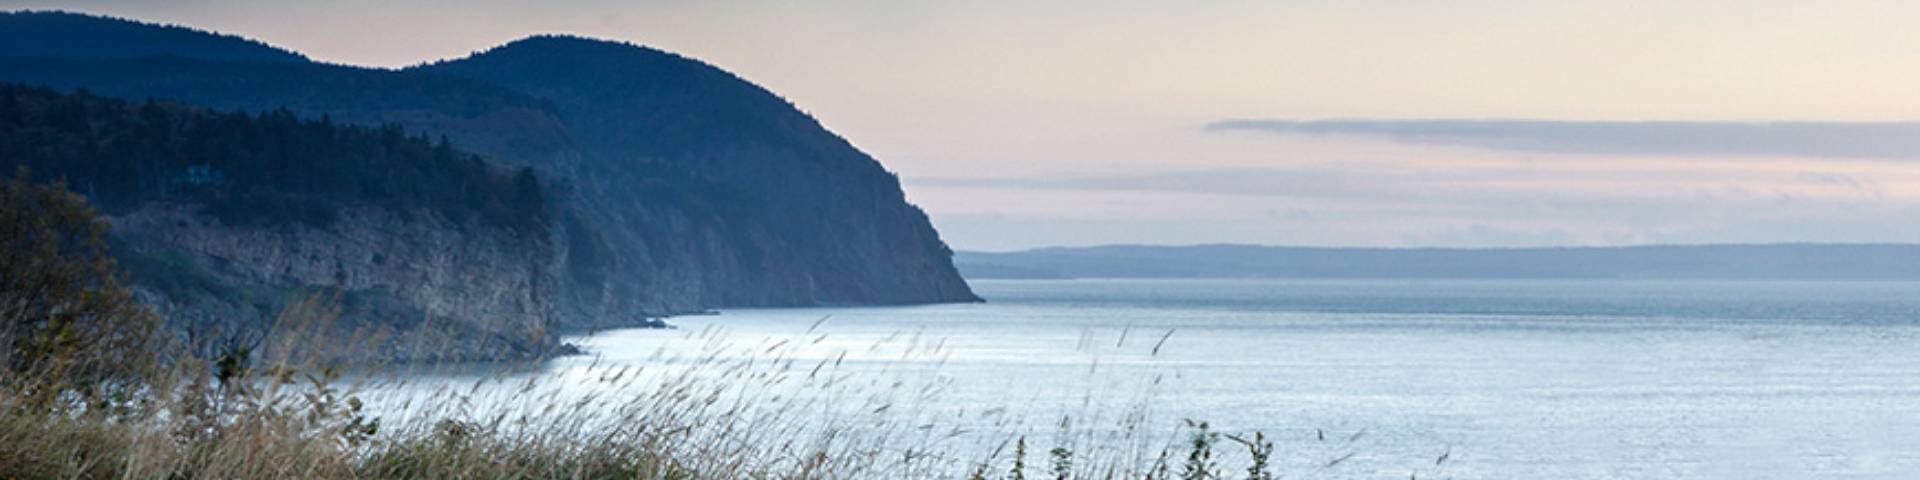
694	417
93	390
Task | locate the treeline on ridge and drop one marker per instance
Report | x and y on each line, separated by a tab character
245	169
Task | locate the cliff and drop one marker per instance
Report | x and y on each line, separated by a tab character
419	289
673	186
223	218
791	214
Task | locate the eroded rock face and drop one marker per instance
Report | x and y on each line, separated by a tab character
674	186
789	215
413	287
717	191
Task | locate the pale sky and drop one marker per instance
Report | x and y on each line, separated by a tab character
1026	123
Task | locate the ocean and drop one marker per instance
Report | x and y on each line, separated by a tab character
1353	378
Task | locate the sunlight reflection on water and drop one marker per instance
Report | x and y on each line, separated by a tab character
1591	379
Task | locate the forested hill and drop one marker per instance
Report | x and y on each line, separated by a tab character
607	90
675	186
224	218
63	35
248	169
815	219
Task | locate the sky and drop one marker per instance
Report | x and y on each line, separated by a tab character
1020	124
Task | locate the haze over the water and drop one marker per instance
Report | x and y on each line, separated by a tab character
1021	124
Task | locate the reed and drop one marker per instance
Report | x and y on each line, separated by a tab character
730	411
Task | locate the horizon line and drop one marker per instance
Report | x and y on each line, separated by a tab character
1417	248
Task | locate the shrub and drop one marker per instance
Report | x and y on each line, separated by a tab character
67	325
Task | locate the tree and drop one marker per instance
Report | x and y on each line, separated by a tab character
529	207
66	323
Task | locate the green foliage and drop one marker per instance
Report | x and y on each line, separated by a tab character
271	169
979	472
1062	463
1019	471
1259	454
1200	464
66	323
1162	469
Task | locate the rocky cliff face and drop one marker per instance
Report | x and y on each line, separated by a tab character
419	288
674	186
225	219
781	211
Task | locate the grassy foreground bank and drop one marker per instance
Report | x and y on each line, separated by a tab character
697	417
95	386
705	418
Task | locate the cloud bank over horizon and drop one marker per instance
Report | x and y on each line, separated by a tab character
1853	140
1493	188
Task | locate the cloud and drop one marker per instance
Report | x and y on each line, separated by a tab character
1475	188
1858	140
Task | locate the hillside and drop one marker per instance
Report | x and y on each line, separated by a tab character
62	35
809	219
674	186
1751	262
222	218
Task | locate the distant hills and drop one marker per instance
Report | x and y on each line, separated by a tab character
669	185
1755	262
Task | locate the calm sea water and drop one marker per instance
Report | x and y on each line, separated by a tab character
1507	379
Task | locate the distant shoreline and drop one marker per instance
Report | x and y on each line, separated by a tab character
1785	261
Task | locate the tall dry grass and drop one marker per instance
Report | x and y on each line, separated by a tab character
706	415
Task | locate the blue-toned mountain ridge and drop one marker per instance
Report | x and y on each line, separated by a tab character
672	185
